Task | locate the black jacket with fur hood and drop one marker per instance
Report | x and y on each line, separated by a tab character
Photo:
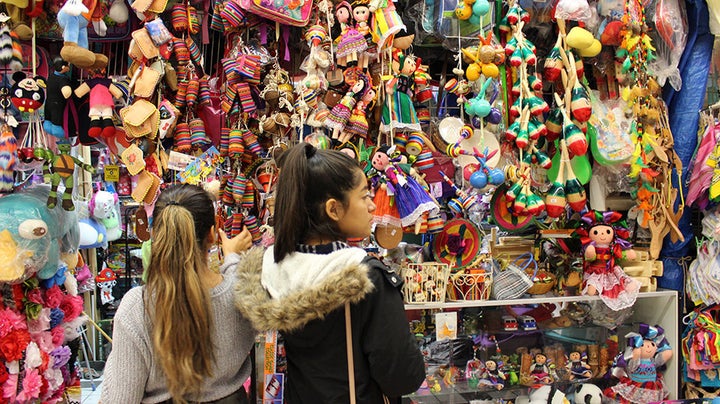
304	298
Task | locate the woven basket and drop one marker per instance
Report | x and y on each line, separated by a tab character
543	282
425	283
513	281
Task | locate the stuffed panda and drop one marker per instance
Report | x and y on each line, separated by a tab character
544	395
28	93
587	393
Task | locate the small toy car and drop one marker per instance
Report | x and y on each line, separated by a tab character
527	323
509	323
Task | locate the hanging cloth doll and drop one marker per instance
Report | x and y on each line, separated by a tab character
358	123
59	90
102	91
352	43
604	239
338	117
412	200
400	114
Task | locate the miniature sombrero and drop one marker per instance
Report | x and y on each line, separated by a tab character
501	212
457	244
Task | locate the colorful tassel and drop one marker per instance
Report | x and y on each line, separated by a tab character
179	18
195	54
6	45
251	223
183	144
224	141
248	199
238	188
251	142
181	95
245	97
182	53
236	146
197	134
193	88
194	22
16	62
237	224
204	97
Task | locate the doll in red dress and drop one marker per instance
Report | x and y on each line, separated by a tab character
604	240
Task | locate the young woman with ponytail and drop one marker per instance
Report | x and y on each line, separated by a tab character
179	338
312	287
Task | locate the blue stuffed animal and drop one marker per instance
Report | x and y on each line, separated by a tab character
29	239
73	17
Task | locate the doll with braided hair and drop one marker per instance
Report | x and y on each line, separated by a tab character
603	236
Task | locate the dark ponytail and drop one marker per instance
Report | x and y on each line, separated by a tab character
308	178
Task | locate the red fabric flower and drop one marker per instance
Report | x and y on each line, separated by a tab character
72	306
58	335
53	297
13	345
3	374
18	296
35	296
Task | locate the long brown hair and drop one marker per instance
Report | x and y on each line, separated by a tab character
177	302
308	178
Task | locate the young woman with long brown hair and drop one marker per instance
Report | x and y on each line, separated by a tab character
179	338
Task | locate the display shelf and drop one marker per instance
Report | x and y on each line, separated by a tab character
530	300
660	307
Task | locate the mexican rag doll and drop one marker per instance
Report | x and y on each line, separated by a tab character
603	236
638	368
398	111
412	200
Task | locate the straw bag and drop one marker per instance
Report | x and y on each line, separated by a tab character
513	281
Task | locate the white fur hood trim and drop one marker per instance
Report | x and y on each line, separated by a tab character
300	271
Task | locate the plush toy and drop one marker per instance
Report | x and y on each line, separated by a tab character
543	395
104	208
58	168
587	393
10	48
28	238
106	281
28	93
603	236
74	17
492	375
59	90
102	94
540	371
92	234
640	382
578	367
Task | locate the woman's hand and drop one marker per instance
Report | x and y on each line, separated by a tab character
237	244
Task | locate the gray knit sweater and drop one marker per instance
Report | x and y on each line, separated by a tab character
132	373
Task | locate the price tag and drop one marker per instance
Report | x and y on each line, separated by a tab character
112	173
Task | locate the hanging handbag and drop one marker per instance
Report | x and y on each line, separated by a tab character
281	12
